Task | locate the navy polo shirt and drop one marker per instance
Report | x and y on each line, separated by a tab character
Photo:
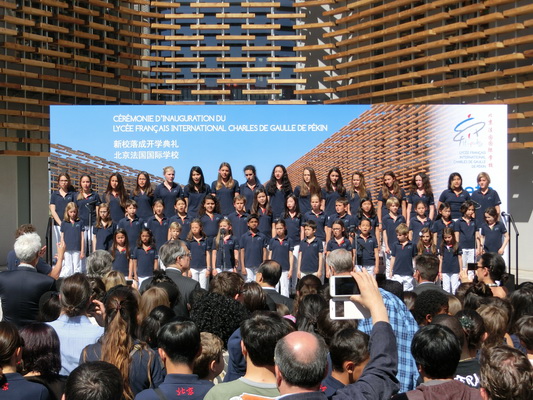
334	245
159	230
265	223
225	196
348	221
195	199
355	201
281	251
253	245
247	192
132	228
331	198
365	250
104	236
489	199
330	385
185	223
309	254
277	202
438	226
121	262
384	209
416	226
210	226
294	226
414	198
72	235
198	249
13	262
493	236
226	254
455	201
168	196
450	260
304	202
84	210
145	261
320	221
144	205
390	225
239	223
17	387
467	233
182	386
373	223
116	211
403	258
61	202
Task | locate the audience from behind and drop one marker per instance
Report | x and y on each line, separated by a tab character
491	271
268	276
12	384
112	279
253	297
524	331
210	363
49	307
476	295
409	299
308	310
506	374
97	380
392	286
437	351
327	327
138	364
150	299
454	305
260	333
496	321
522	305
41	359
228	284
461	291
349	354
158	317
308	284
179	346
474	331
426	271
73	326
98	264
340	262
428	304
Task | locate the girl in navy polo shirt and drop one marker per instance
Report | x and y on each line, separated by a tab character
181	217
293	220
87	201
104	229
450	261
143	194
334	190
225	248
225	188
58	201
261	207
308	187
73	239
120	252
210	217
425	244
367	211
200	253
494	235
195	191
145	259
357	193
455	195
419	221
168	191
278	188
158	224
339	240
444	220
390	188
116	196
280	250
420	190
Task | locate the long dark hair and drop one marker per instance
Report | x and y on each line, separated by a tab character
339	187
121	190
148	190
193	187
10	341
286	186
41	349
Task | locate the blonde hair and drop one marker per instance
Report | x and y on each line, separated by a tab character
70	206
392	201
230	182
99	219
150	299
483	175
169	168
212	347
175	225
113	278
402	229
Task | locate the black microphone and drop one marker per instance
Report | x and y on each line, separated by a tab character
223	232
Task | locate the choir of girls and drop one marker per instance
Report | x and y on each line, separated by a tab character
232	227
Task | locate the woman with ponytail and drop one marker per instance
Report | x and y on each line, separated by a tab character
12	384
137	363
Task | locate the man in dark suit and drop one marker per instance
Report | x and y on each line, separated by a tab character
268	276
21	289
426	272
176	257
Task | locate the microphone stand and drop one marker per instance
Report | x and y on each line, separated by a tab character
511	221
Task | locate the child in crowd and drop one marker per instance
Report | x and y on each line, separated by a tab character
357	193
418	222
366	248
293	221
239	216
210	217
450	261
261	208
145	258
339	240
444	220
158	224
225	254
253	249
368	211
280	250
200	249
225	188
341	213
494	235
390	188
469	239
210	363
195	191
391	221
425	244
131	223
104	229
317	216
181	217
174	231
121	254
401	265
333	191
311	255
73	239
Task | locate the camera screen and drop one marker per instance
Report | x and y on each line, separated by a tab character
346	286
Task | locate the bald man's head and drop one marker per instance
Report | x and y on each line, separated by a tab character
301	358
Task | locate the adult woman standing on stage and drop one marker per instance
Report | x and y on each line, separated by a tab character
308	187
87	201
455	195
247	189
116	196
58	201
143	194
168	191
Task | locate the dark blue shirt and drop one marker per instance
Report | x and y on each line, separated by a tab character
104	236
309	254
144	205
330	385
198	249
365	250
121	262
450	260
133	229
281	251
304	202
13	262
493	236
17	387
334	245
455	201
331	198
277	202
320	221
403	258
253	245
239	223
225	196
226	254
438	227
389	225
384	209
72	235
245	190
84	210
159	230
294	226
348	221
179	386
116	211
195	199
489	199
414	198
61	202
416	226
185	223
467	233
145	261
265	223
210	226
168	196
355	201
